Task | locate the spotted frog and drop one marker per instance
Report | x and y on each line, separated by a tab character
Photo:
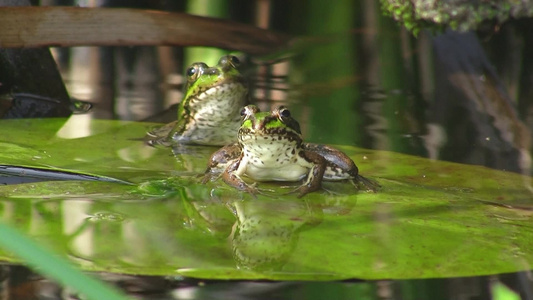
209	111
270	148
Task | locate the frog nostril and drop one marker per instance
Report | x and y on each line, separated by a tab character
212	71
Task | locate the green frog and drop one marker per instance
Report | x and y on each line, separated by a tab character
270	148
209	111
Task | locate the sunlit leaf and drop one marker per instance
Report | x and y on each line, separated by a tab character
430	219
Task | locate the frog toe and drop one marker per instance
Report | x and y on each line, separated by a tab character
368	184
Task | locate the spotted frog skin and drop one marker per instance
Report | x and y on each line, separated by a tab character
270	148
209	113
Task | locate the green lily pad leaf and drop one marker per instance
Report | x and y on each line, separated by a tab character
429	219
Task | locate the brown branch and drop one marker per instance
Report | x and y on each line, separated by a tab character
75	26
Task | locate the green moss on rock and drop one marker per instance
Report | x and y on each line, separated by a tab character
459	15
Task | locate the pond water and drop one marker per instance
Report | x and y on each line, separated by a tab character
375	89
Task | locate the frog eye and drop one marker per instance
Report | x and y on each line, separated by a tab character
284	112
284	115
234	61
249	110
191	71
195	71
229	60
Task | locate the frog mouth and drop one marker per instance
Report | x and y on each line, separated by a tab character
278	134
232	88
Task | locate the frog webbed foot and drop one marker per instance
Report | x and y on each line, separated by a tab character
363	182
209	175
264	191
159	135
302	190
251	189
237	182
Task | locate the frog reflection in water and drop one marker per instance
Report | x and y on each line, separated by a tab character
209	111
270	148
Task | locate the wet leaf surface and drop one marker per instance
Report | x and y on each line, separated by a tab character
430	218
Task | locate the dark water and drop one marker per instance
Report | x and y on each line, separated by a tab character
20	283
462	97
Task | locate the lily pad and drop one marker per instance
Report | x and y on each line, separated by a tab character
430	218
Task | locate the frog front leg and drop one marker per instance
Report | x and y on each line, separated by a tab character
232	175
159	135
220	160
313	182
